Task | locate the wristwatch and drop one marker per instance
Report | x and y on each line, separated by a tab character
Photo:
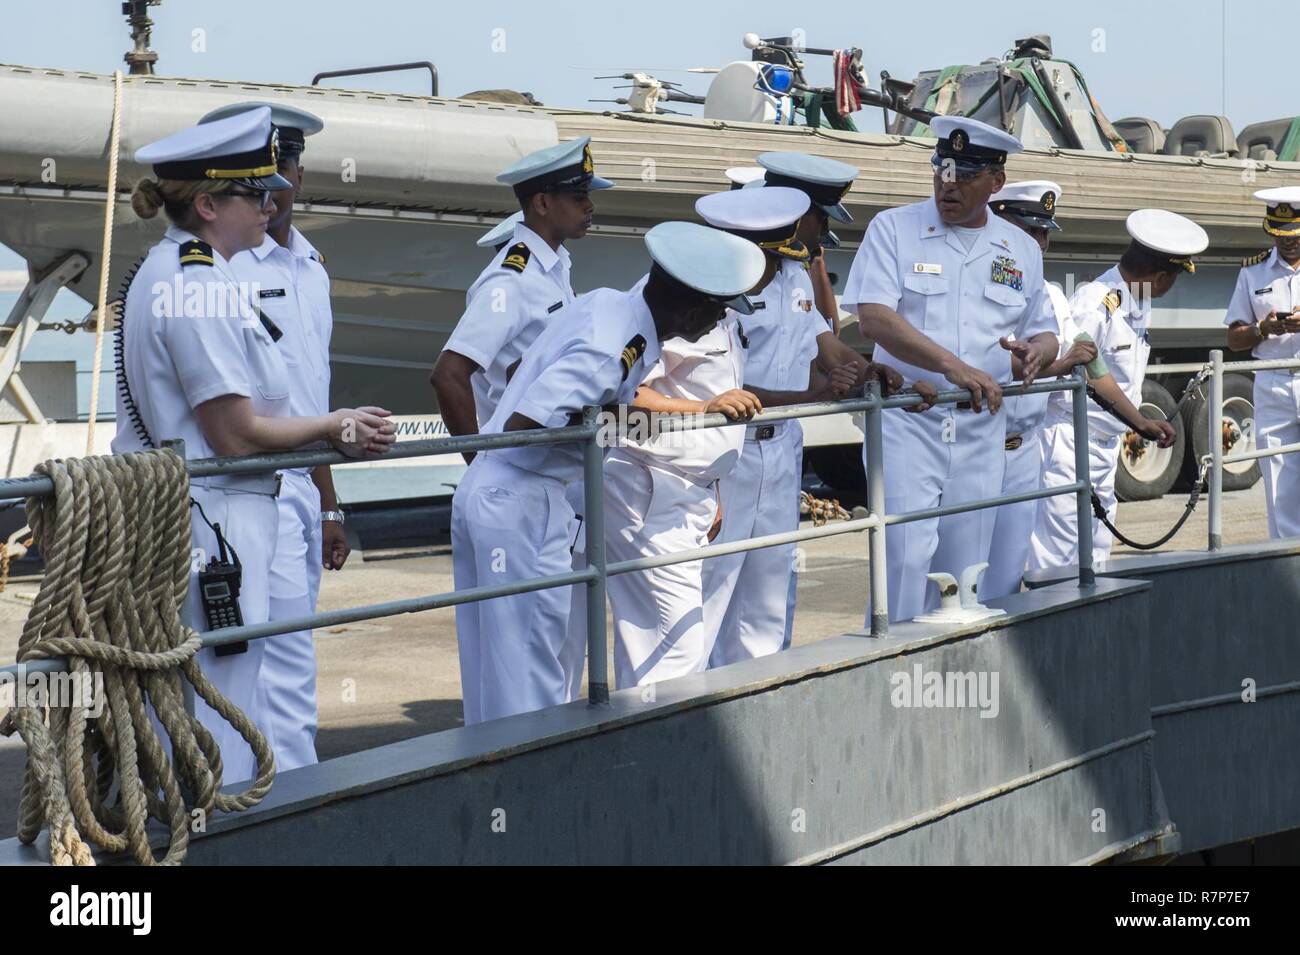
335	516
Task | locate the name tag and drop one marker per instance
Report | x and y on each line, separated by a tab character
927	268
1264	291
555	308
270	293
759	306
1123	347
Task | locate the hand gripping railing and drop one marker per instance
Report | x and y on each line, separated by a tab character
597	571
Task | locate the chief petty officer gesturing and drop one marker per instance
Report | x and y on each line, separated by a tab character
942	286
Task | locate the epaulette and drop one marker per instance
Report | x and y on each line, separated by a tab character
318	256
1111	301
633	350
517	258
1256	258
196	252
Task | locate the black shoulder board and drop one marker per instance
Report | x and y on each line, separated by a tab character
196	252
633	350
1111	301
744	339
318	256
1257	258
517	258
272	329
555	308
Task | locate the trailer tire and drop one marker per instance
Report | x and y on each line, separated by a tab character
1150	472
1238	408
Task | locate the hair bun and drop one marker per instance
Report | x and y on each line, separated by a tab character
147	199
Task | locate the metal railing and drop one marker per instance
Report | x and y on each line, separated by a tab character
597	571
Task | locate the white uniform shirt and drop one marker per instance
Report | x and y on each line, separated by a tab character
192	336
294	293
782	332
505	311
1025	412
697	371
912	262
1106	310
1268	286
597	356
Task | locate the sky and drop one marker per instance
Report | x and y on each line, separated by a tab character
1164	60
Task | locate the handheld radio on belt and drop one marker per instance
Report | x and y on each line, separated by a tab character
219	590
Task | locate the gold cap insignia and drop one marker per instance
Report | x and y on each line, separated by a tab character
1049	201
587	165
958	140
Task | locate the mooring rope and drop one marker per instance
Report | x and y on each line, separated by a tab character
105	261
115	536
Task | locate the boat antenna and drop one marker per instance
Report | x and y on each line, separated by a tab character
140	59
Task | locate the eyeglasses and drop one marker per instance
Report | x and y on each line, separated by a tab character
259	196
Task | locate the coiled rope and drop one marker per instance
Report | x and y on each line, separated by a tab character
116	540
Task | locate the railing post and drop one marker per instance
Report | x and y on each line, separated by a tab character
1083	497
1216	449
593	496
187	618
876	505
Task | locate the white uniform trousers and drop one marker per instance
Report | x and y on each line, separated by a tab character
796	565
248	522
747	595
658	613
573	655
509	524
937	458
1014	524
1055	542
289	664
1277	422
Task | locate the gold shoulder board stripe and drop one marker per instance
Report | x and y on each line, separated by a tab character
1111	301
517	260
1257	258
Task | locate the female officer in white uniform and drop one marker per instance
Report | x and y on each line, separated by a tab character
199	363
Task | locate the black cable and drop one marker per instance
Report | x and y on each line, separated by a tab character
119	356
222	542
1100	513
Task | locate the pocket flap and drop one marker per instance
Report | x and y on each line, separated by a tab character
1004	295
926	284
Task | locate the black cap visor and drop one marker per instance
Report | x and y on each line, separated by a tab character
739	303
274	182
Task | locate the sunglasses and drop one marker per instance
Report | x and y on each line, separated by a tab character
260	197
